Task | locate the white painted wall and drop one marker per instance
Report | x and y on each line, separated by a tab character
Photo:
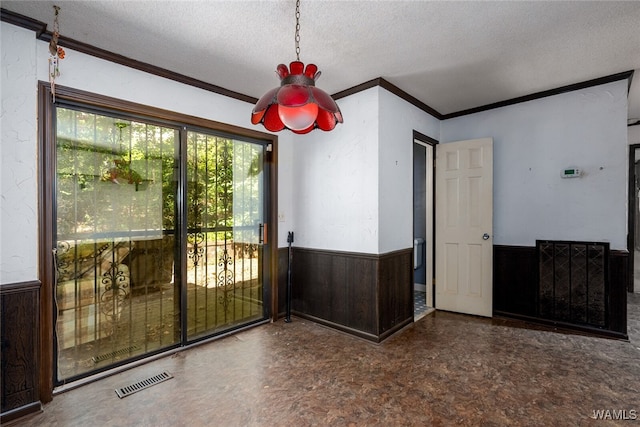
286	217
91	74
533	142
335	180
398	120
24	62
353	186
350	189
18	156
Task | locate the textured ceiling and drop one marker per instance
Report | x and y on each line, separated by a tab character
450	55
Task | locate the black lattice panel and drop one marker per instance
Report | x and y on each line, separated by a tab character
562	277
579	283
573	282
596	290
545	256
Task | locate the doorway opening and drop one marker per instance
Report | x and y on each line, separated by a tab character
423	225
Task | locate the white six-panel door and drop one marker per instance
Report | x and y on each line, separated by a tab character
464	226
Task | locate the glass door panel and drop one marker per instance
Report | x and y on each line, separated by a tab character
225	217
115	199
153	249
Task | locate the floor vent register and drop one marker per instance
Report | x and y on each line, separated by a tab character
141	385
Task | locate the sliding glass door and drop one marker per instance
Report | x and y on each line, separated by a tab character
158	237
225	228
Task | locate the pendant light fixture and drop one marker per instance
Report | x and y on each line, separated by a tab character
297	105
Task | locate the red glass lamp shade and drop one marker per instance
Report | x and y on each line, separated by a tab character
297	104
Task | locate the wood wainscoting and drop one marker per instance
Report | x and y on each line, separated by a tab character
283	264
370	295
517	291
366	295
19	334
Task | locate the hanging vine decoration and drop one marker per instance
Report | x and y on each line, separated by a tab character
56	53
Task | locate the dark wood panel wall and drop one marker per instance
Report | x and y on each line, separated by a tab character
283	263
395	291
515	280
528	285
371	295
618	279
19	332
363	294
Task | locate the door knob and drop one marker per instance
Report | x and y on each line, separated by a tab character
485	236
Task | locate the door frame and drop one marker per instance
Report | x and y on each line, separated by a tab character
632	205
430	253
46	208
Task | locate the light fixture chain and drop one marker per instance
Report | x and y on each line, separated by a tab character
298	30
56	24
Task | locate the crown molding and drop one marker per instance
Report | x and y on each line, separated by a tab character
23	21
40	28
381	82
42	34
563	89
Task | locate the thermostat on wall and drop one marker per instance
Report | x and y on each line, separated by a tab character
571	173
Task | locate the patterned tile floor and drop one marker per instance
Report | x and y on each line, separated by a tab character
445	369
420	308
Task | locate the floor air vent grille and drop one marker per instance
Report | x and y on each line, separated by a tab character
107	356
141	385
